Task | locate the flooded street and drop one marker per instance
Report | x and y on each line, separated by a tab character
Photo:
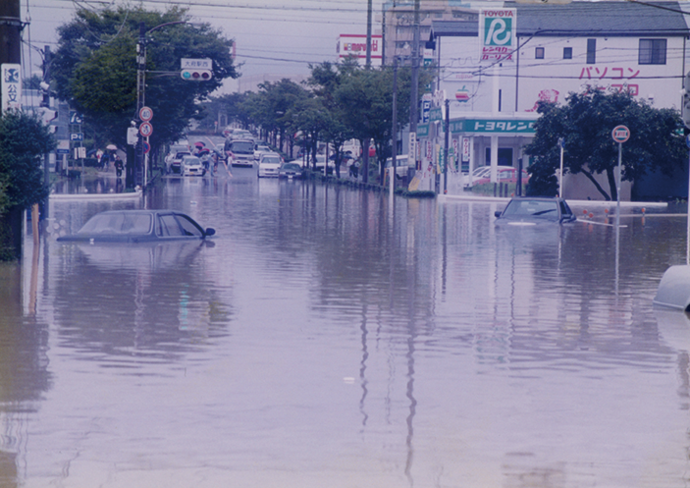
323	339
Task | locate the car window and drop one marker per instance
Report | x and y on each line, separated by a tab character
271	160
533	208
188	227
118	223
291	167
243	147
169	227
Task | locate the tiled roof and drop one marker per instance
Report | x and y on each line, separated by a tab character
613	18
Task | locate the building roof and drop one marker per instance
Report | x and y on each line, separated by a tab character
598	19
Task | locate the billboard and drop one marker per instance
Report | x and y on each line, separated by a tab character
497	33
356	45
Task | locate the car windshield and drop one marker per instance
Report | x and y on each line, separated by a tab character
532	208
242	147
118	223
192	161
271	160
180	155
291	167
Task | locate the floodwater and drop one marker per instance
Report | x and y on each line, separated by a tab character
325	339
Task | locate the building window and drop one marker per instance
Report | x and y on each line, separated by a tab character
539	53
567	53
652	51
591	51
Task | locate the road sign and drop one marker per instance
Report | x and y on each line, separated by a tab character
620	134
147	147
75	118
145	114
145	129
77	136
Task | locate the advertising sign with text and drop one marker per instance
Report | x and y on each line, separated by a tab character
497	30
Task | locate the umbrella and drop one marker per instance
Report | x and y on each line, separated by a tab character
111	147
199	144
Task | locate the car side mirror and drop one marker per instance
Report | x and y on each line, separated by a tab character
497	213
209	232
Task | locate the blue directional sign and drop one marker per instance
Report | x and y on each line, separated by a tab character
75	118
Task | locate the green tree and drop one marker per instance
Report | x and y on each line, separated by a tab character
23	141
95	69
585	123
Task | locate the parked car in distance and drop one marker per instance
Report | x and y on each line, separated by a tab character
259	150
401	165
504	174
192	166
530	211
174	165
269	165
480	173
138	226
321	164
290	170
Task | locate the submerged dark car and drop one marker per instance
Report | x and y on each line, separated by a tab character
526	211
290	170
139	226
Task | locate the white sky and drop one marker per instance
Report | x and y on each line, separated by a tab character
275	38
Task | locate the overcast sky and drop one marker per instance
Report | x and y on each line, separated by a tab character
273	37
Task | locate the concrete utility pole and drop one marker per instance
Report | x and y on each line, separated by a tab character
414	81
10	32
10	53
369	16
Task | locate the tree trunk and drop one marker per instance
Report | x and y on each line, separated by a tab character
612	183
596	184
11	234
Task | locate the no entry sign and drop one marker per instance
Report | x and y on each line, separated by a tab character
620	134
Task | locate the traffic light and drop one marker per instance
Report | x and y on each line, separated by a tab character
196	74
685	109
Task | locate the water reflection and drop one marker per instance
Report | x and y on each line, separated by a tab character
326	339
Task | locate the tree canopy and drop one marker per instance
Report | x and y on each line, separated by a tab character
585	124
23	141
95	68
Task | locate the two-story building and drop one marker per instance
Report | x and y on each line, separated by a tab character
556	49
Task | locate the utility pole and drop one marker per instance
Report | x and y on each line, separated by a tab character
46	103
10	53
394	129
369	16
414	80
446	134
10	29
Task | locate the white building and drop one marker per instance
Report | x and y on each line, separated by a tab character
557	49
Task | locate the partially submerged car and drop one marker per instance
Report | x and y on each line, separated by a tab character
529	211
174	164
269	165
139	226
192	166
290	171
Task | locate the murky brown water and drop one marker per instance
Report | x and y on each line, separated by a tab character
322	341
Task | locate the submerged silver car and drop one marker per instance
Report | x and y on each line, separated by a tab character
139	226
530	211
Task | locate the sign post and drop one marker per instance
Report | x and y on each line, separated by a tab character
620	134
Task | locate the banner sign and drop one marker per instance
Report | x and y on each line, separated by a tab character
495	126
11	86
497	33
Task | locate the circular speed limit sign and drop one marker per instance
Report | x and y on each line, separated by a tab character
620	134
145	129
145	114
